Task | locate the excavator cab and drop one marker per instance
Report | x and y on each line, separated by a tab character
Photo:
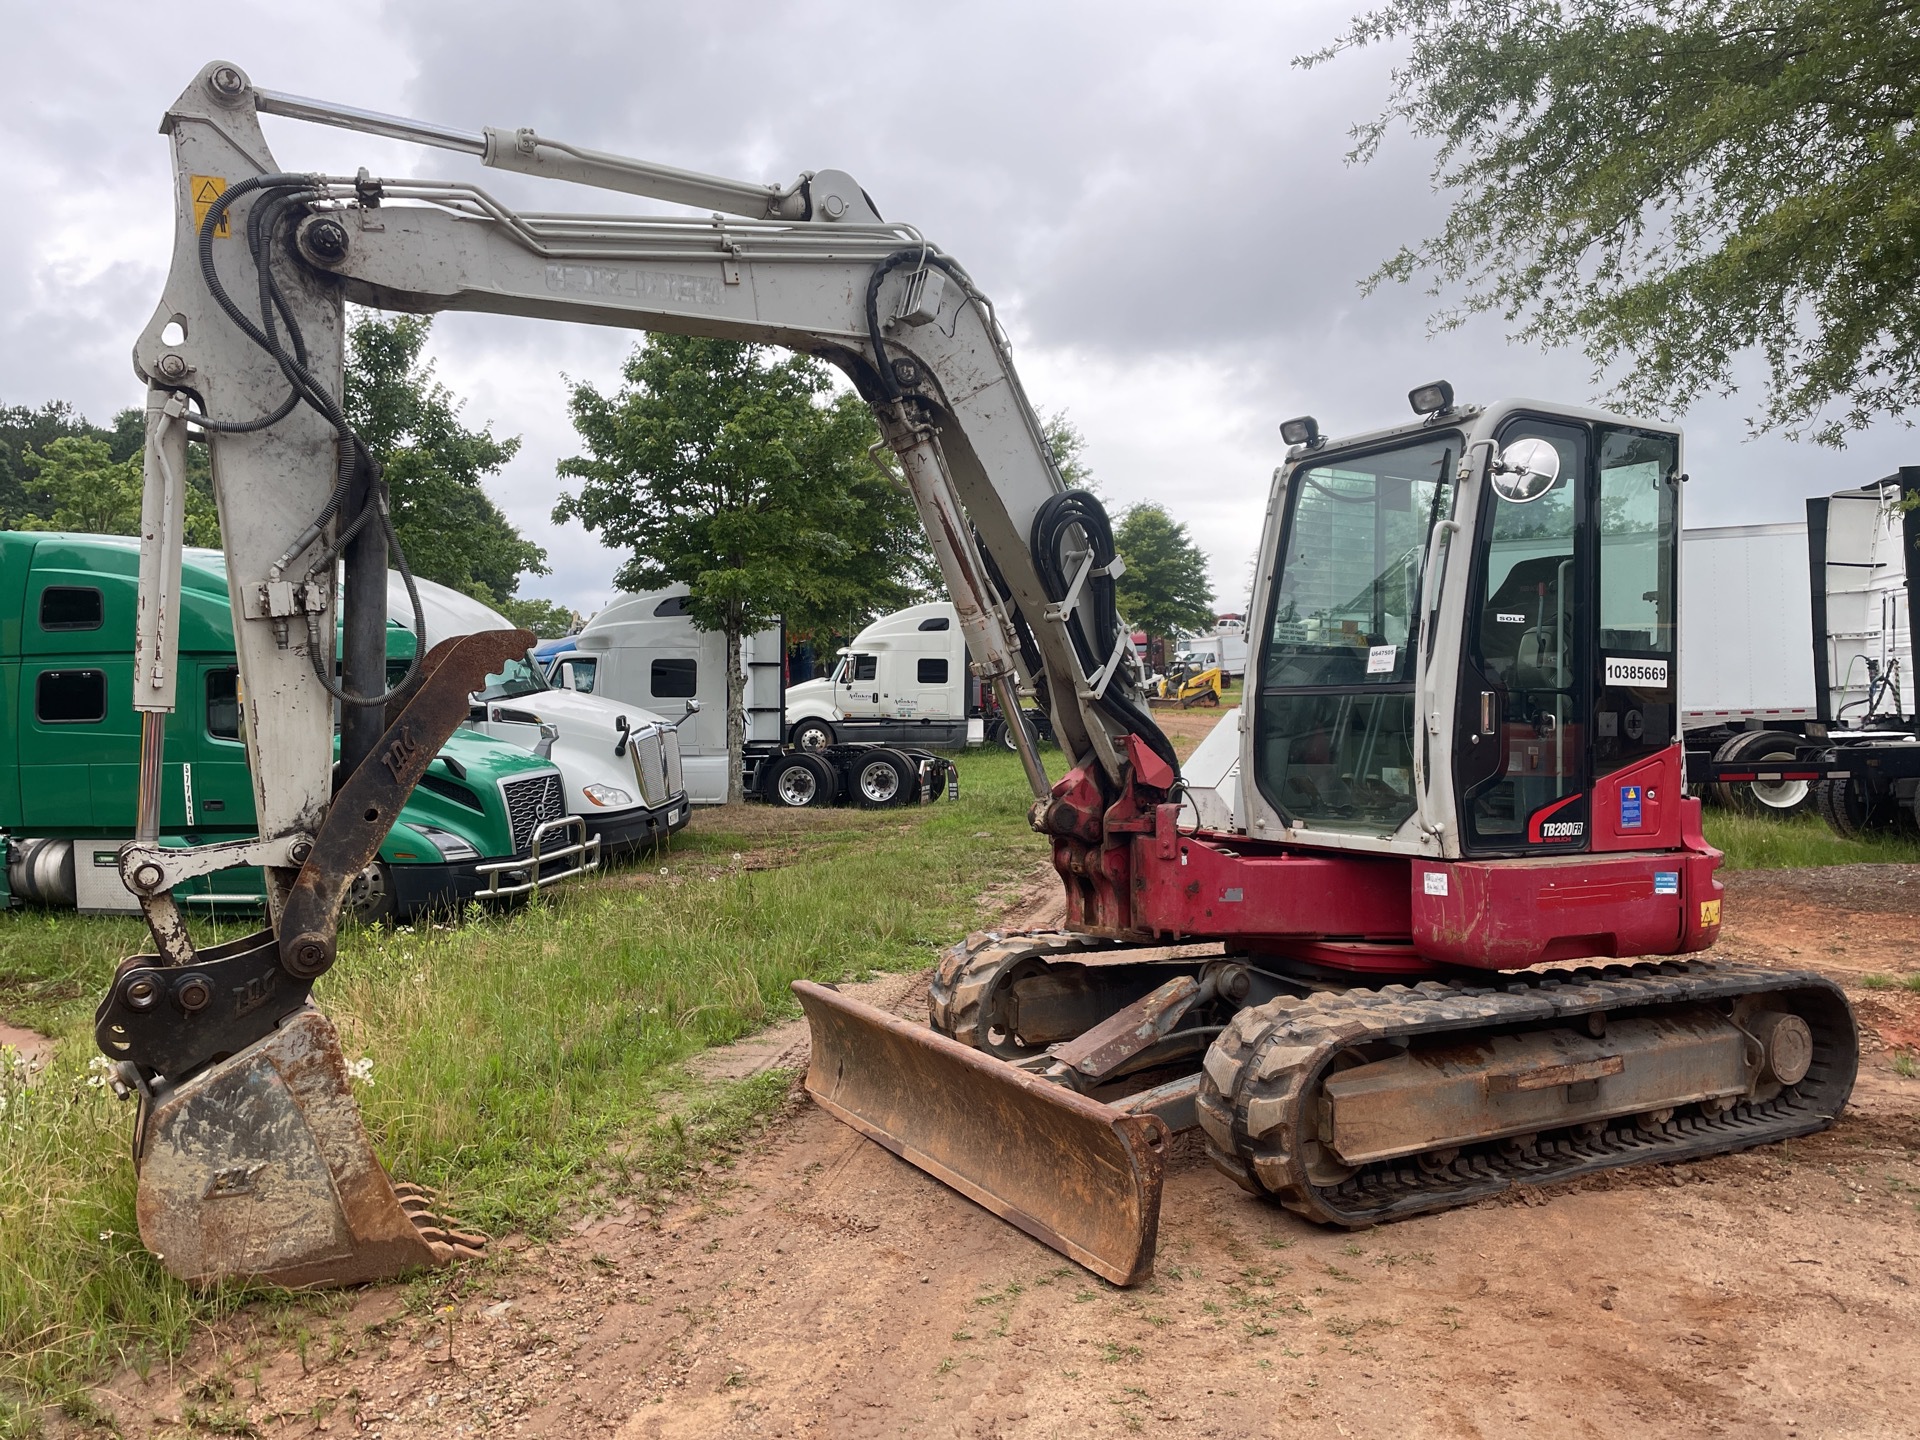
1536	619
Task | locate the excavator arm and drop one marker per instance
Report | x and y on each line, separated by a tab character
252	1156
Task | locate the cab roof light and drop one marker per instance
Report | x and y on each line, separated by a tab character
1302	431
1433	399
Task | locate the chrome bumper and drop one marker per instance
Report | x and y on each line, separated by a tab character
561	850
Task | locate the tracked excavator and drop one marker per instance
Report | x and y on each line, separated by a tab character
1434	950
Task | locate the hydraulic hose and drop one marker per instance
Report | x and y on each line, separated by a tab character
1077	509
282	195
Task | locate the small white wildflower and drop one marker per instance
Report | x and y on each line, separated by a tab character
361	1071
736	857
3	1102
106	1234
99	1072
663	869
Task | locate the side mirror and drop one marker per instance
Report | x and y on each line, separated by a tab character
693	707
1525	470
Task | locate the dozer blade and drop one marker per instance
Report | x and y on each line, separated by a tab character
1073	1173
259	1168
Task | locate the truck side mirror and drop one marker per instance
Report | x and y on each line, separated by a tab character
693	707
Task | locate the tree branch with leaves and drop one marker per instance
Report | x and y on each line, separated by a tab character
1674	185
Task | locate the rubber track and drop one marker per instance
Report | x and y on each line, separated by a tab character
1273	1057
964	979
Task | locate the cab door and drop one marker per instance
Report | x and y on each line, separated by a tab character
1520	752
857	690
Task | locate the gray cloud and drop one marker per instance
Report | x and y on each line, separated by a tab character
1156	199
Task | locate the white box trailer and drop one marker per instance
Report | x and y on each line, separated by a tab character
1795	636
1746	627
1225	645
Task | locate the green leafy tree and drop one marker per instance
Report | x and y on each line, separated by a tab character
1164	589
1067	445
80	486
451	530
545	618
1675	184
77	484
742	475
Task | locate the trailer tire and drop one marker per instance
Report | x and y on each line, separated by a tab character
883	778
1755	797
800	782
812	736
369	898
1007	733
1849	811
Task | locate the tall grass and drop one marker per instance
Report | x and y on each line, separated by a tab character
524	1065
1764	842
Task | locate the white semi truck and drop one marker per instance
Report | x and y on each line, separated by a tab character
621	763
903	679
646	650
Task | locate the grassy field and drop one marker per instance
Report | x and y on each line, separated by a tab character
1759	842
525	1066
528	1065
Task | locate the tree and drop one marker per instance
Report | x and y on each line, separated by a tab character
77	484
1675	184
545	618
1164	589
746	478
452	532
1066	443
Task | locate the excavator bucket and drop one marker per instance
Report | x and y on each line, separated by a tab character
1073	1173
259	1168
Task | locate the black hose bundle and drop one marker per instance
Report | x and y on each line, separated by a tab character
282	199
1052	525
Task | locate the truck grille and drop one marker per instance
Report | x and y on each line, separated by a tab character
649	768
670	743
532	802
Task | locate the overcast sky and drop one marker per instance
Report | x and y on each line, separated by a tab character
1155	198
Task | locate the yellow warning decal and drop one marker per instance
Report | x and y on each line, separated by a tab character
205	190
1709	913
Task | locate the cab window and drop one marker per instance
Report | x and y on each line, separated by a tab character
675	679
932	672
865	667
223	703
70	697
71	607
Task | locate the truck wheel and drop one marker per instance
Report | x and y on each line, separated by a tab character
1849	810
370	898
1007	740
882	778
995	732
812	735
800	782
1763	749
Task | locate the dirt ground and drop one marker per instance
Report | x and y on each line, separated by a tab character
823	1288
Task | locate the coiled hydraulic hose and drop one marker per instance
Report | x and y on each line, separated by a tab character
1052	524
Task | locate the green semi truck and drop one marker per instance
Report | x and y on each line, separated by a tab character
488	822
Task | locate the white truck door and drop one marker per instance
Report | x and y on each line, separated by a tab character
858	692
